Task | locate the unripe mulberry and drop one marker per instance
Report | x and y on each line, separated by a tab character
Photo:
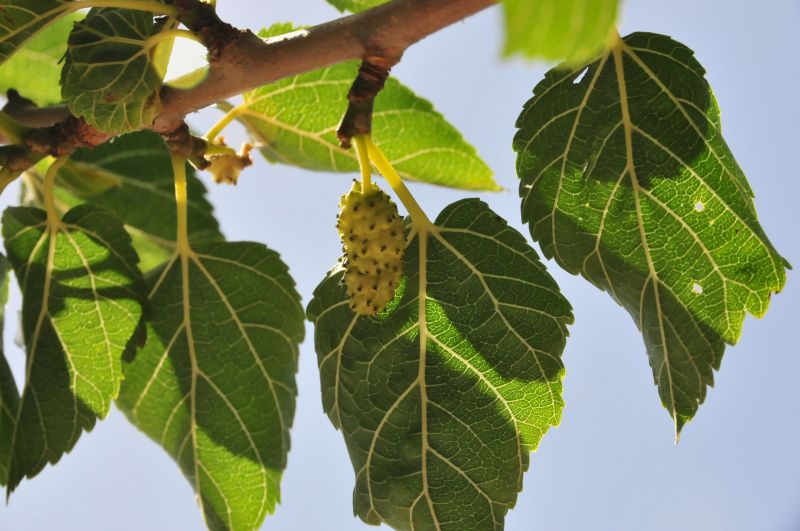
373	235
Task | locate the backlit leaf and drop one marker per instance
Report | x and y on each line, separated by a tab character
22	19
82	296
574	31
294	121
35	69
354	6
214	384
442	396
626	179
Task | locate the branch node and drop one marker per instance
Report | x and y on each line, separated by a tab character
357	120
181	142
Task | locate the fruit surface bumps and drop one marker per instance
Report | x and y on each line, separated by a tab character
373	235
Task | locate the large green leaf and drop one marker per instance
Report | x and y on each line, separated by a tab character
442	396
9	396
109	77
294	121
22	19
355	6
570	30
626	179
132	177
82	296
214	384
35	69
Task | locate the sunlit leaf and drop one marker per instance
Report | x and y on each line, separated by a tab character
82	302
626	180
214	384
441	397
570	30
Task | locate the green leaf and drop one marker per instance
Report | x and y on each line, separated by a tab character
81	305
354	6
109	77
132	177
9	396
626	179
214	384
442	396
574	31
294	121
35	69
22	19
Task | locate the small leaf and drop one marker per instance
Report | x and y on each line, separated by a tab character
22	19
9	396
442	396
82	296
574	31
294	121
354	6
626	179
109	77
35	69
214	383
132	177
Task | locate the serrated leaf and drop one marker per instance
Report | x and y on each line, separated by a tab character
354	6
214	383
626	179
82	296
442	396
294	121
9	395
22	19
573	31
109	77
132	177
35	69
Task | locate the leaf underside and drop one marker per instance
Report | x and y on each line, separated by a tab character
626	180
441	397
132	177
214	383
573	31
82	295
294	121
109	77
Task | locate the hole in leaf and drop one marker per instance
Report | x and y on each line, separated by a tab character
580	76
697	289
699	206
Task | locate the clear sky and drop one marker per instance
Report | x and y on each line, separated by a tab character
611	465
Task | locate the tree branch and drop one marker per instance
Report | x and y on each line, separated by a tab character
379	35
240	61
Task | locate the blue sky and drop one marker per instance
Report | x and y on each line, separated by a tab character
611	465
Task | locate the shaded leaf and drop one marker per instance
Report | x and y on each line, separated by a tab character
22	19
9	396
442	396
82	296
214	383
574	31
626	179
294	121
132	177
35	69
109	77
